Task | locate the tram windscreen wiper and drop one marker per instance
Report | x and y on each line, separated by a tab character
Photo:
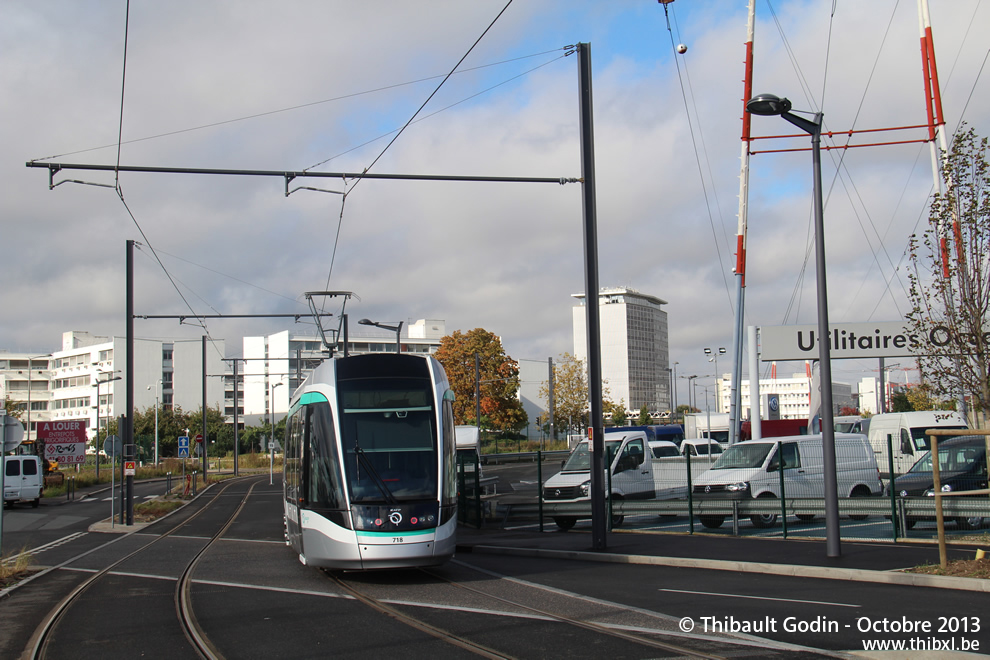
379	482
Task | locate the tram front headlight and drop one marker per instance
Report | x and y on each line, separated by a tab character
586	489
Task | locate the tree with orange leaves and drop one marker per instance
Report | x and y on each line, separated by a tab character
501	409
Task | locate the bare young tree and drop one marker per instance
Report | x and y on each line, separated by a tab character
950	278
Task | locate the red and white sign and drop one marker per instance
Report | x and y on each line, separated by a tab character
129	468
67	453
198	438
68	431
65	442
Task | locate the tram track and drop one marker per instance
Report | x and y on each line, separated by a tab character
40	644
649	645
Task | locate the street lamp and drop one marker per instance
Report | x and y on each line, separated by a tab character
395	328
271	449
713	357
96	440
156	386
692	393
770	104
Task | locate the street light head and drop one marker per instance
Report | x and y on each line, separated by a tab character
767	104
721	351
708	351
366	322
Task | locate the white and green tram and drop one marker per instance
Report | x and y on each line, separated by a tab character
370	468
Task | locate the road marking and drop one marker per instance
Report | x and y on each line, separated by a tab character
46	546
784	600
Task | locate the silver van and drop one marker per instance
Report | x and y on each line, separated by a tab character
751	469
23	480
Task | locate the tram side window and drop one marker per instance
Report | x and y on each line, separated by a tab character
449	495
324	482
293	456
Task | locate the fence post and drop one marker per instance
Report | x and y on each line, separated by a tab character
690	494
783	503
539	486
893	494
477	488
939	518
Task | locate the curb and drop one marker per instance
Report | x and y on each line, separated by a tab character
820	572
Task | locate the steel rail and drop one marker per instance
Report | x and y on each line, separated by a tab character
38	644
585	625
433	631
183	596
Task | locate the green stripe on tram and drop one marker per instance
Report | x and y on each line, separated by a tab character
408	532
312	397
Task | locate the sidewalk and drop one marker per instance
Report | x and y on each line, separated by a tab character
860	561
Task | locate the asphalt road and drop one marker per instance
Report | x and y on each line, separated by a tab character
255	599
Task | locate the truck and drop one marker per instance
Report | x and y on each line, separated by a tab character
696	426
635	475
775	428
906	432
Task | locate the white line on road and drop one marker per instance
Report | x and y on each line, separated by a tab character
784	600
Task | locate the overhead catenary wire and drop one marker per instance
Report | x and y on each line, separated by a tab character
697	157
343	202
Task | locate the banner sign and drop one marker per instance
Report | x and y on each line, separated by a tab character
849	341
65	442
65	453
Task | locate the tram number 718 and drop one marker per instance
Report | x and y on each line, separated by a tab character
398	539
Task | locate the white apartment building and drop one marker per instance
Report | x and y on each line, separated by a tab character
25	381
273	366
85	379
794	395
634	348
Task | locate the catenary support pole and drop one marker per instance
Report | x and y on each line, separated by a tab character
599	530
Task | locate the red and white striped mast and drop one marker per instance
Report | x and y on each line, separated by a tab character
735	408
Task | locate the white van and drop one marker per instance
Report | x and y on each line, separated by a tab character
751	469
907	435
23	480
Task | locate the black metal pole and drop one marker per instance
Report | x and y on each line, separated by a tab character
550	401
236	434
832	531
206	441
599	531
127	432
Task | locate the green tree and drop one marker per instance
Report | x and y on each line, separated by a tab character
11	408
219	434
617	411
950	271
172	423
685	408
899	402
501	408
644	416
570	393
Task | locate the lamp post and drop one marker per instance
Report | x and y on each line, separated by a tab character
156	386
692	394
769	104
397	329
713	357
96	440
271	449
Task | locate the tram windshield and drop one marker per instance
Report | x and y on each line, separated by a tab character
389	439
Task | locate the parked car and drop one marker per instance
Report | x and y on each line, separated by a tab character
23	480
664	449
703	447
751	469
962	465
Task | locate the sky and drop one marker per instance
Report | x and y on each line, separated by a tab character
326	85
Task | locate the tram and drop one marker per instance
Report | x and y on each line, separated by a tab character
370	465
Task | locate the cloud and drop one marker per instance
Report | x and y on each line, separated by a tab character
505	257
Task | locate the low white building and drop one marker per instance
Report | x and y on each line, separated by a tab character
273	366
794	395
85	379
